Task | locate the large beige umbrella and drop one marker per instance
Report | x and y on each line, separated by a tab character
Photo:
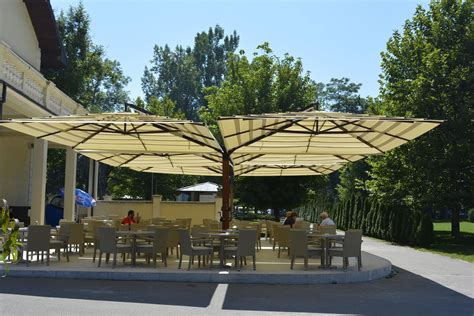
141	142
309	139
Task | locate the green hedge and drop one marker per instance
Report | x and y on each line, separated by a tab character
395	223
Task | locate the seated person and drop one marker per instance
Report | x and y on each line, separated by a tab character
290	219
130	219
325	220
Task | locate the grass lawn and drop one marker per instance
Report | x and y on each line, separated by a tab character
444	244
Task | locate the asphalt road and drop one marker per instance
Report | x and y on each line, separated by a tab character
403	294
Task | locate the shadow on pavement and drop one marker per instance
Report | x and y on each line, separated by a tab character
404	294
166	293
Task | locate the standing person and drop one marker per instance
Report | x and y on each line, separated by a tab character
325	220
130	219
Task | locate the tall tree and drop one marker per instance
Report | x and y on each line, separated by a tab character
182	74
341	95
92	79
427	71
264	84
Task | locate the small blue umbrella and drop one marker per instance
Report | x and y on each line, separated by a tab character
82	198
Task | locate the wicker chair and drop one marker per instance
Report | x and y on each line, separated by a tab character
188	249
299	248
350	248
108	244
245	247
158	245
38	241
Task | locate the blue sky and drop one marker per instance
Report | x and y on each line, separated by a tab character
334	38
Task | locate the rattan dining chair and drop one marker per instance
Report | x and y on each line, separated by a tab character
245	247
76	237
95	237
108	245
351	248
38	241
328	229
299	247
188	249
172	242
158	245
282	237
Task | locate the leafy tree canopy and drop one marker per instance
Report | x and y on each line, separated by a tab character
264	84
182	74
90	78
427	71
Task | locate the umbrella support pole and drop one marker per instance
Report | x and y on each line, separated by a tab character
226	183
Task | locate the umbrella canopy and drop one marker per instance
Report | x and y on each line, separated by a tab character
154	143
277	144
82	198
173	163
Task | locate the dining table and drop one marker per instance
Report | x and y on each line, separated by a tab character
325	240
222	235
133	235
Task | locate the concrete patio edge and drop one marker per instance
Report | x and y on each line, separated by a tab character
210	276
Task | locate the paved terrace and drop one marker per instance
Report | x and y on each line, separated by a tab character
270	270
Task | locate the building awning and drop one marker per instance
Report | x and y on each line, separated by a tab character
131	140
308	143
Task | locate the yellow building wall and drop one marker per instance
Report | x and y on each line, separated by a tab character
197	211
17	31
121	208
15	155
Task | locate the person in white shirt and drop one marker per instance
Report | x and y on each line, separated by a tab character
325	220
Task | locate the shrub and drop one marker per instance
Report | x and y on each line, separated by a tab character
470	215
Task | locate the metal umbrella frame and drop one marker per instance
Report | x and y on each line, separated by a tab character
131	140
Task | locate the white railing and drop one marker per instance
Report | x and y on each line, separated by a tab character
29	81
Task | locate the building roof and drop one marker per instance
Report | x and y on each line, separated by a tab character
44	23
201	187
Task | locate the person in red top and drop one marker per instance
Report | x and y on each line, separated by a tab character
130	219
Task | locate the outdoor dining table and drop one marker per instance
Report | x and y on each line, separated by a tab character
325	243
222	235
134	234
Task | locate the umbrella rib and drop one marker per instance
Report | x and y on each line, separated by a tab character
171	162
180	134
315	170
90	136
260	128
130	160
105	158
310	137
250	170
382	132
251	158
342	158
135	129
209	157
191	132
306	128
213	169
62	131
256	139
360	139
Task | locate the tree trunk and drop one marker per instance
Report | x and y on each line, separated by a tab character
455	223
